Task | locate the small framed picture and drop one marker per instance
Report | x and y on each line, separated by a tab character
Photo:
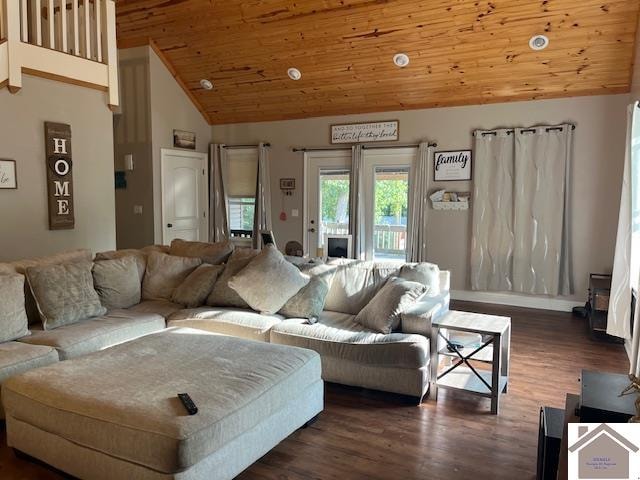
338	246
8	176
452	166
182	139
267	238
287	184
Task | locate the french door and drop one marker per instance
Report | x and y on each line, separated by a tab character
386	185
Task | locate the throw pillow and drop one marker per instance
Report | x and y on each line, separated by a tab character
268	281
214	253
197	286
117	282
164	274
309	301
64	293
428	274
13	316
139	256
222	294
382	313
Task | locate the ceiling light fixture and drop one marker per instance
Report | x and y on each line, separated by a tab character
538	42
206	84
401	60
294	74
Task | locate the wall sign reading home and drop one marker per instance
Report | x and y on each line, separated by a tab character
387	131
452	165
59	175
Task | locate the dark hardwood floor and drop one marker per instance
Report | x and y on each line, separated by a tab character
372	435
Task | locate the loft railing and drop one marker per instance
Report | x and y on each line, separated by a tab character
68	40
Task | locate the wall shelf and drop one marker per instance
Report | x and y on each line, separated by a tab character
450	205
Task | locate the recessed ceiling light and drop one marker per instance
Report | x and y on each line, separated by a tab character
401	60
206	84
294	74
538	42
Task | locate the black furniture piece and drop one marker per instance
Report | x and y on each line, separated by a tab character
549	440
599	292
600	401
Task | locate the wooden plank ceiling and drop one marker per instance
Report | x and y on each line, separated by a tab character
462	52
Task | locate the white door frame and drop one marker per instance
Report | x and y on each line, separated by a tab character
164	152
329	153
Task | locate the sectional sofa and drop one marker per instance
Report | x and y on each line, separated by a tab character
351	354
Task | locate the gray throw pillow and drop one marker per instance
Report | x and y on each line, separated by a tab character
13	316
64	293
117	282
309	301
195	289
222	294
382	313
214	253
164	274
268	281
428	274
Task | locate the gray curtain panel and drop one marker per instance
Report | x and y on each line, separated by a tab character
520	240
356	208
218	223
262	216
492	226
419	206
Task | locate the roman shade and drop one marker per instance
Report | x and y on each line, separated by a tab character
242	171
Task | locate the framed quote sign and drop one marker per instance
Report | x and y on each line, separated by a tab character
8	178
387	131
59	175
454	165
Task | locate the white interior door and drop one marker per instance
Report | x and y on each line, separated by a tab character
326	208
184	195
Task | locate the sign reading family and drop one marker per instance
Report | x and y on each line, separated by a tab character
452	166
387	131
59	175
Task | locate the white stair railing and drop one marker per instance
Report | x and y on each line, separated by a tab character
37	32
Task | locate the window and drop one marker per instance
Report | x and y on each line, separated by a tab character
390	213
240	184
334	203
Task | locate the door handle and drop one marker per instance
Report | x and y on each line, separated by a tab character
312	230
169	225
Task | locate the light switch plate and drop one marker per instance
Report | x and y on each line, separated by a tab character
295	212
137	209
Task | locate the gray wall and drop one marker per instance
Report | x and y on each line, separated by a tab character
153	106
595	178
24	212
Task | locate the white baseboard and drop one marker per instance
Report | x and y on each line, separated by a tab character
514	300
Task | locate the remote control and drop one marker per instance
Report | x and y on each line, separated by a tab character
188	403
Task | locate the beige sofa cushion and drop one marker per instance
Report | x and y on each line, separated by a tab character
21	266
427	274
237	322
97	333
352	287
117	282
195	289
17	358
139	254
309	301
64	293
268	281
222	294
382	313
213	253
13	317
337	335
164	308
164	274
122	401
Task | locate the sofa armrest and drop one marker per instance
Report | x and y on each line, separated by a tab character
418	318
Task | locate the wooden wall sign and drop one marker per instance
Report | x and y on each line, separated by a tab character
388	131
59	175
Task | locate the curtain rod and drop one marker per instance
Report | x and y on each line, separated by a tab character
364	147
509	131
231	147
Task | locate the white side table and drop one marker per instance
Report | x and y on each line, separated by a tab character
462	375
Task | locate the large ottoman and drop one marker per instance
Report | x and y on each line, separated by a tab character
114	414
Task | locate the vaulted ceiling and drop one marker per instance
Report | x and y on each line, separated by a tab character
462	52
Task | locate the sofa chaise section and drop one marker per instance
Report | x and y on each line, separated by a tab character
96	334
